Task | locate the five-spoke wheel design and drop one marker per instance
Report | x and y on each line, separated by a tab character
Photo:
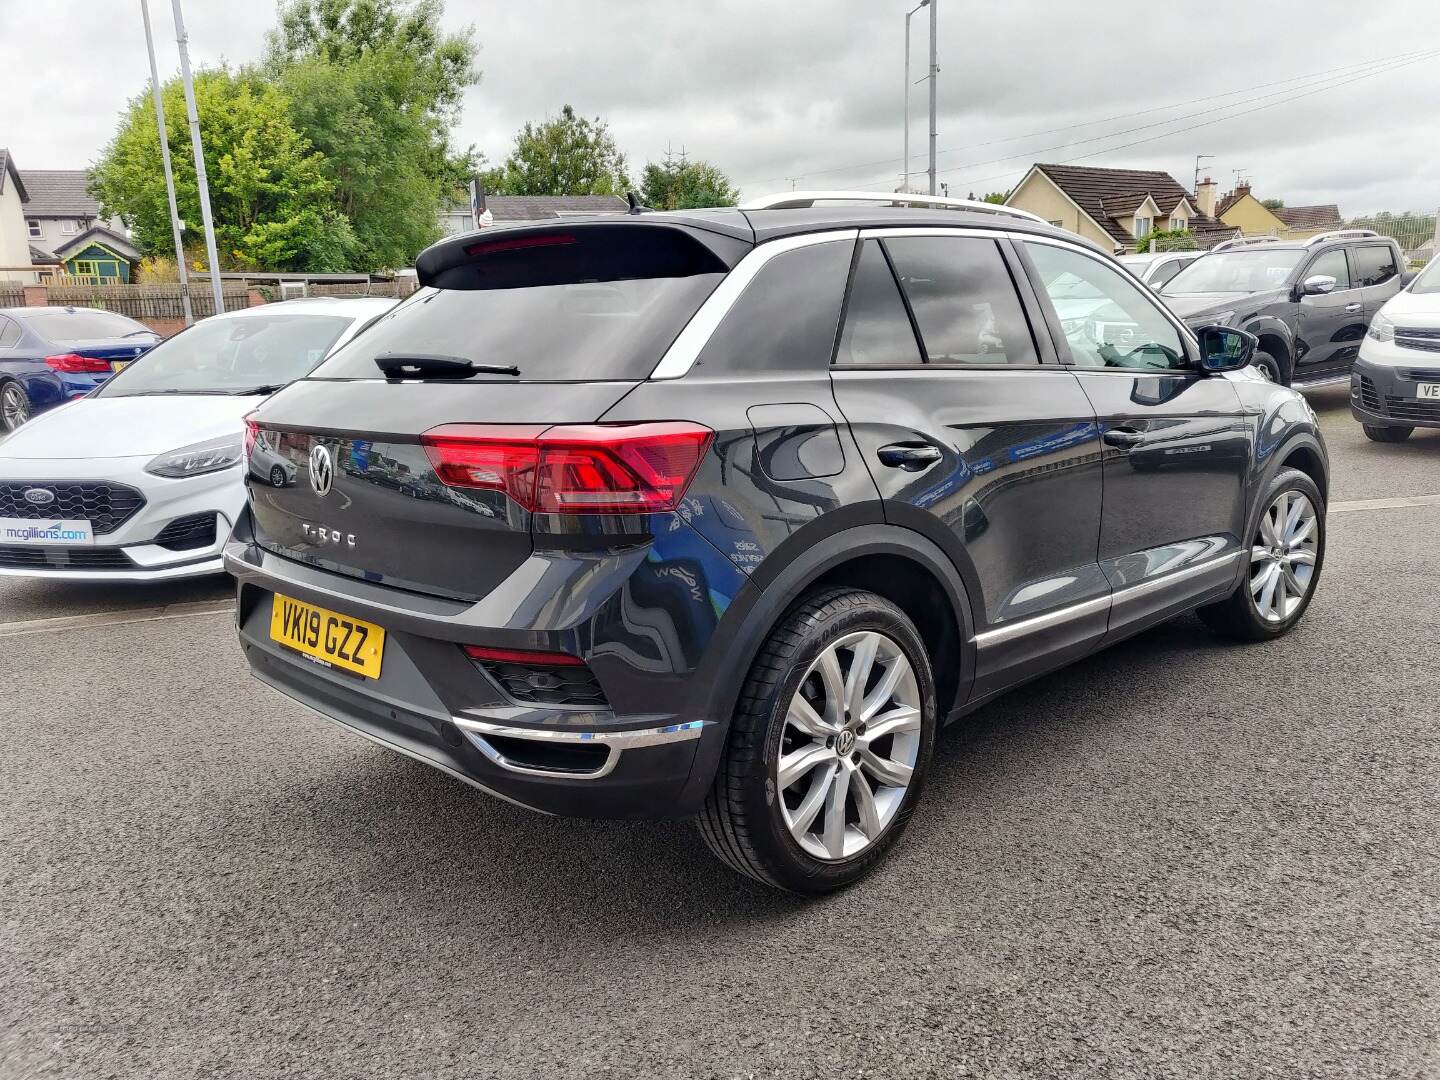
1283	556
848	749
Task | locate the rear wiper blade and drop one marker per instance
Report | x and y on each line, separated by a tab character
437	366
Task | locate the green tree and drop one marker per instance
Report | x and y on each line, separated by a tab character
998	197
1273	204
272	203
568	155
376	86
678	183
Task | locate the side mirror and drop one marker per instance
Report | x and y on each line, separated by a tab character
1408	276
1224	349
1318	285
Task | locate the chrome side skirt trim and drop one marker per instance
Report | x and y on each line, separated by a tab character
615	742
137	574
1033	625
686	348
1060	616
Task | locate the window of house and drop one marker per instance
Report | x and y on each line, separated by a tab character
32	226
69	227
1177	224
1058	223
962	299
1108	321
1374	264
85	268
1143	226
1332	263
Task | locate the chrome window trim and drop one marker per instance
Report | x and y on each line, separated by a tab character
686	348
1010	631
615	742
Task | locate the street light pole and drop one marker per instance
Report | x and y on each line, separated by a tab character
165	163
905	181
193	115
934	71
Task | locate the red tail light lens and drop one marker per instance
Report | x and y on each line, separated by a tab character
574	469
252	432
75	364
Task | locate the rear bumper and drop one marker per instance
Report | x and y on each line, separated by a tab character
632	754
643	777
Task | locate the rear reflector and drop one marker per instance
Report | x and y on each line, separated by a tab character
522	656
573	469
75	364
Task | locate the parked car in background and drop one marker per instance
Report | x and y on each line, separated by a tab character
1308	301
141	479
1395	386
726	513
1158	267
49	355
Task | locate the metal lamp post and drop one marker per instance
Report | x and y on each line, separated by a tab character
905	182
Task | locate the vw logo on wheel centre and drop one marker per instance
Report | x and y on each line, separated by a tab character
39	496
322	470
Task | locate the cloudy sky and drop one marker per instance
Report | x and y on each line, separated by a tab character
1323	101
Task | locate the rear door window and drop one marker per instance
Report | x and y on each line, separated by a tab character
877	330
596	303
1375	264
963	300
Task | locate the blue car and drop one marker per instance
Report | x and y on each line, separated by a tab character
49	355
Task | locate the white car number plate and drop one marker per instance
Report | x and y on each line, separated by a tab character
1428	390
45	532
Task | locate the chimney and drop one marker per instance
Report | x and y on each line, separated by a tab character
1205	197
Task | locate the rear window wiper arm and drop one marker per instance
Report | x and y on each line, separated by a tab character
437	366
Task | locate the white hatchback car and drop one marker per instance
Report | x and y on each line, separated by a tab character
141	480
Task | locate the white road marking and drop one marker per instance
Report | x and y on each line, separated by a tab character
117	618
1384	504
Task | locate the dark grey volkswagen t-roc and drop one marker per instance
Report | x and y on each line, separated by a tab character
725	513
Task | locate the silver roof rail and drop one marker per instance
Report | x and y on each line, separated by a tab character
1340	234
1244	241
800	200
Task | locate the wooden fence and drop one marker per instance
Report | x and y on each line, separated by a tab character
11	294
146	302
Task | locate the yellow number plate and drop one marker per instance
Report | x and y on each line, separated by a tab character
328	637
118	366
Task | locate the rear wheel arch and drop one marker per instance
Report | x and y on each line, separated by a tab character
896	563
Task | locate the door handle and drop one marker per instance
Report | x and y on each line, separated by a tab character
1351	309
912	457
1123	438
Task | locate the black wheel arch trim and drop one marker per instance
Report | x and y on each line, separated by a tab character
756	611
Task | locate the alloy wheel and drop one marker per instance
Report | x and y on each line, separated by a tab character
14	407
849	746
1283	555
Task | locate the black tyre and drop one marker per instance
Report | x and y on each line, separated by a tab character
1387	434
277	477
1270	367
829	746
1287	552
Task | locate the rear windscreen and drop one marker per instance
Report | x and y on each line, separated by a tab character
66	327
595	303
